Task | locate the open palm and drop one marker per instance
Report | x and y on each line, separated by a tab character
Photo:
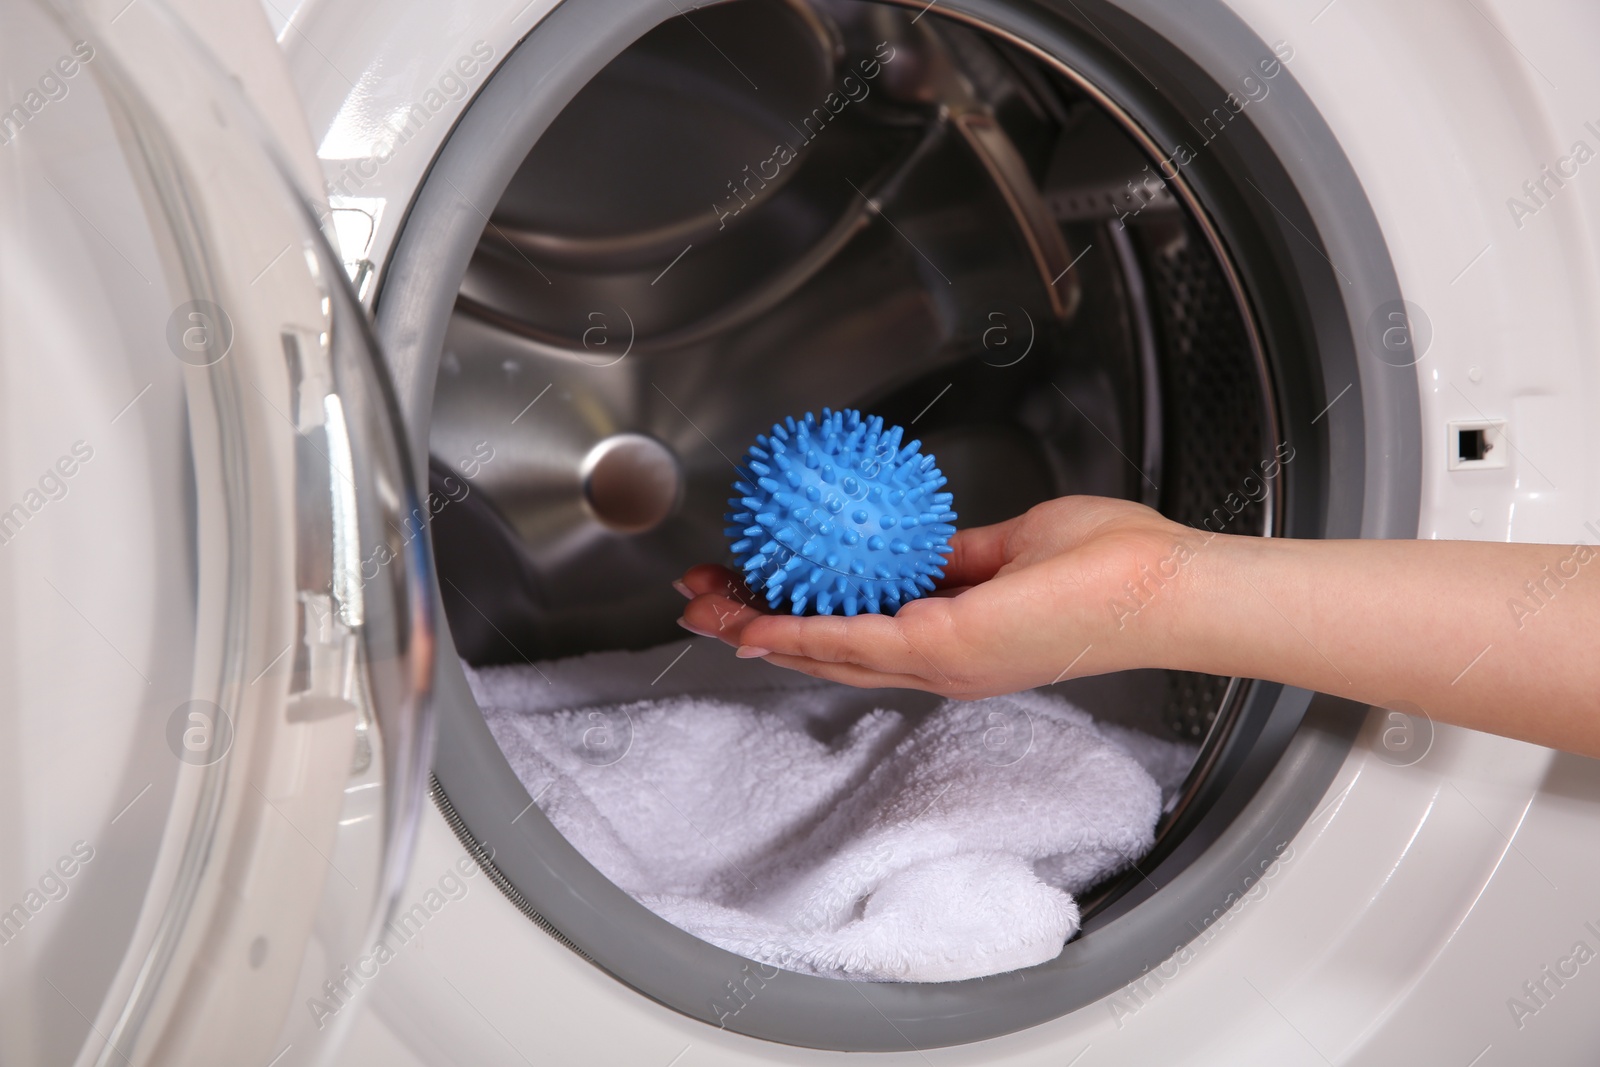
1023	603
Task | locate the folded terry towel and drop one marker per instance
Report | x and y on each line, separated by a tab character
880	834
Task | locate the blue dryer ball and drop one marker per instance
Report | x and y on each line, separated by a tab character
841	517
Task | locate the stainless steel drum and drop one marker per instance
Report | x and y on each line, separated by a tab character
908	216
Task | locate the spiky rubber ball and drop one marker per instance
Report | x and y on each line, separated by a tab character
841	516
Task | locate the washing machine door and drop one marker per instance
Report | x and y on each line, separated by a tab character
214	646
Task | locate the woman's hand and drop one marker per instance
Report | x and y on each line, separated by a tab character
1023	603
1492	636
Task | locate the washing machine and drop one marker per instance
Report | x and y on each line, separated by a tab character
1306	270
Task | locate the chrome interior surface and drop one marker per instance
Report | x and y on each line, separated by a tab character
963	242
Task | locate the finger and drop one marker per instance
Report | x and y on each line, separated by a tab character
976	554
711	578
722	617
849	674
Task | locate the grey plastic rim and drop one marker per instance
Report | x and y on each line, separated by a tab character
1367	444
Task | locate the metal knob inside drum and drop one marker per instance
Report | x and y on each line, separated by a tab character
630	482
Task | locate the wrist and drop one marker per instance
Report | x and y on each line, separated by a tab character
1213	607
1161	598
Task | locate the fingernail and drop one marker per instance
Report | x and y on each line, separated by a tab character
685	624
688	594
752	652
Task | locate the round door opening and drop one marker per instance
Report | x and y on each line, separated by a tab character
970	226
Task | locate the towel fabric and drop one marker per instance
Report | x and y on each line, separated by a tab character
881	834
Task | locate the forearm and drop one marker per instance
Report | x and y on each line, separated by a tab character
1493	636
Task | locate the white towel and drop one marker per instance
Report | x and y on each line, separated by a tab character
877	834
